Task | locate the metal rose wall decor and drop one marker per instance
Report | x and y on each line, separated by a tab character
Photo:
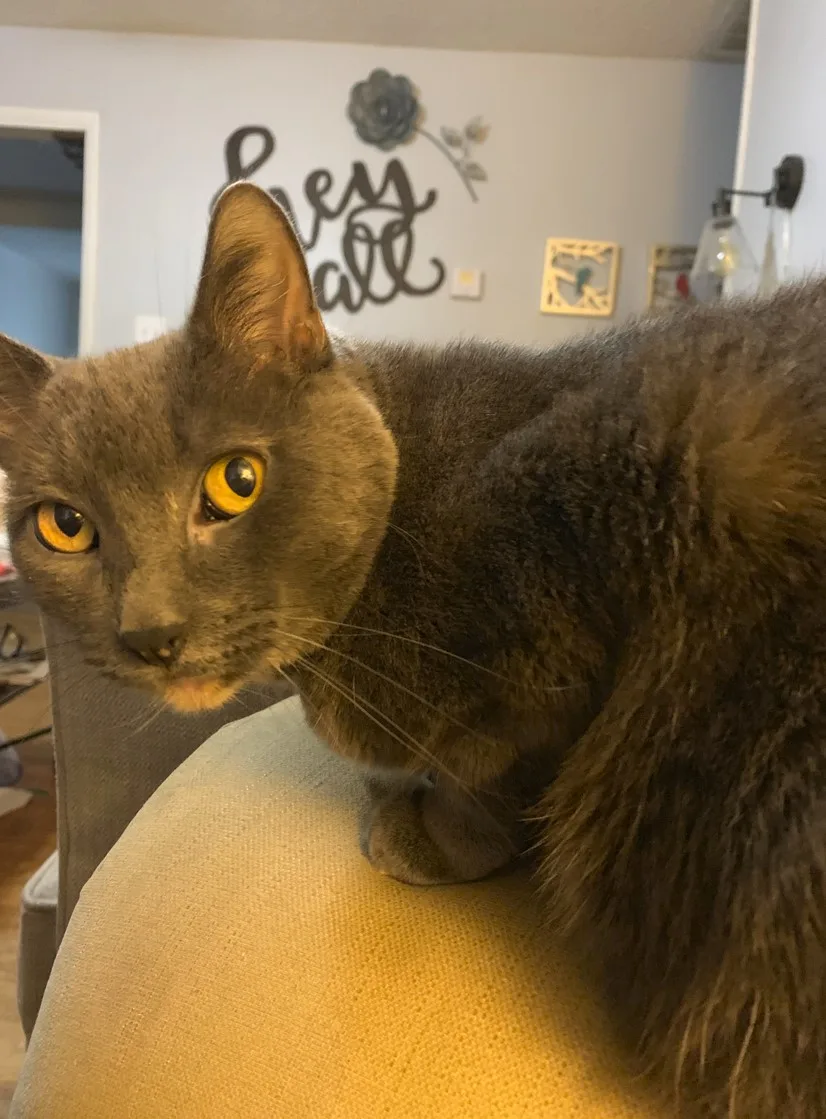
376	219
386	112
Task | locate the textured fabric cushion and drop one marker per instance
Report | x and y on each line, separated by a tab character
38	940
234	955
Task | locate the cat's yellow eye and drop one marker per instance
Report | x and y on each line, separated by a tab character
60	528
232	485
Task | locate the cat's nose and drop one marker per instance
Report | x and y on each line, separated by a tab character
155	644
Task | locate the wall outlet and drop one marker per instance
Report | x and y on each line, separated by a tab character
148	327
466	283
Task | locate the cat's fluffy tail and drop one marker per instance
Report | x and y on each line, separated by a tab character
686	848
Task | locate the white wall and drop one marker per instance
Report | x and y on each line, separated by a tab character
37	304
784	113
612	149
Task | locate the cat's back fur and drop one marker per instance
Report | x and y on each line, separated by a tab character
736	394
624	475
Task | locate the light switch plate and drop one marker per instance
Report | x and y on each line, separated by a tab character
466	283
148	327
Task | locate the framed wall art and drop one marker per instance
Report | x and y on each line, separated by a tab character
669	268
580	277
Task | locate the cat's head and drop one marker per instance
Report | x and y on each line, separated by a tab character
203	508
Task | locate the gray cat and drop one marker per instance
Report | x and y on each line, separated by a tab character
574	597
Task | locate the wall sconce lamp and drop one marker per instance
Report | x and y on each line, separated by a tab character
723	252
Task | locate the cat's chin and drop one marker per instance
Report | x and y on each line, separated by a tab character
202	693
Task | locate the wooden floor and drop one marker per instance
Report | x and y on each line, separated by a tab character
27	838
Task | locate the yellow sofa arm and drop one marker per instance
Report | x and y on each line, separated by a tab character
234	955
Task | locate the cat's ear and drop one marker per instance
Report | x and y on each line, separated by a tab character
255	297
23	372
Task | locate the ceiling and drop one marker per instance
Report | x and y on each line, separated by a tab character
622	28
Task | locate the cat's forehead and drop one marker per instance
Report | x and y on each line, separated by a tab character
144	419
105	420
95	401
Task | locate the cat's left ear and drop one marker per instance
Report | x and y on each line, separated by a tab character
255	297
23	372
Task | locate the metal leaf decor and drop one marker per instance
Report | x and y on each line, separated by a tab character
451	137
385	111
476	131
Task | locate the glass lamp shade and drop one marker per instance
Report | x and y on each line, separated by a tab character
722	254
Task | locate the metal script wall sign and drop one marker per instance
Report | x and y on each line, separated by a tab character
377	239
377	225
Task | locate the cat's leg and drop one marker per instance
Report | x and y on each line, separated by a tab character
437	832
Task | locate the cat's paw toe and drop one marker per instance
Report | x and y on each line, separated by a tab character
396	844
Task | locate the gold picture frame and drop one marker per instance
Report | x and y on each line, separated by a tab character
580	277
669	267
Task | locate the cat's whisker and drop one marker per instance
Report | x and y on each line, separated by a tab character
255	693
416	747
244	696
394	683
385	723
367	630
411	541
305	700
87	674
158	708
78	681
398	733
416	545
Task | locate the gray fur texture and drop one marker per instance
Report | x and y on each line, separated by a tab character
572	597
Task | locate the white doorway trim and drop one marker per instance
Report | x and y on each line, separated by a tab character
58	120
745	104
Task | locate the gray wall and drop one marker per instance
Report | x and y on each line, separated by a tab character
784	114
38	305
614	149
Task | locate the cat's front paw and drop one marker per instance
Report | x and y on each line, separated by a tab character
428	835
396	843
